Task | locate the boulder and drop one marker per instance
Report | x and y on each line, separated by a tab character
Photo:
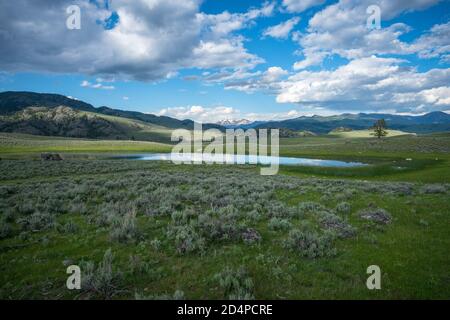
51	157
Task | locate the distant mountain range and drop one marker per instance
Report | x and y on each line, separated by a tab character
432	122
57	115
230	123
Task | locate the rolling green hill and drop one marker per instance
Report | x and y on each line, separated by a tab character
12	102
67	122
367	133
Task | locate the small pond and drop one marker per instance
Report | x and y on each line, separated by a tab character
239	159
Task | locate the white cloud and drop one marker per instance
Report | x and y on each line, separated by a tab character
341	29
312	58
436	96
435	43
267	81
307	111
200	114
87	84
216	114
152	40
225	76
219	47
224	53
225	23
301	5
282	30
273	74
369	84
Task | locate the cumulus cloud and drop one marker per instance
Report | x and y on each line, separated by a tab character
435	43
225	23
301	5
369	83
151	41
282	30
435	96
215	114
303	111
341	29
273	74
224	53
267	81
200	114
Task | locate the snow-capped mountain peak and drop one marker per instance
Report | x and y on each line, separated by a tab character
234	122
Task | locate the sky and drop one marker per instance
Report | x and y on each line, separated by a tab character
213	60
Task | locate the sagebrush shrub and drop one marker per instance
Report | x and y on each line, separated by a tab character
375	214
218	227
186	239
309	207
125	229
336	224
183	217
343	207
69	227
78	208
138	266
255	216
433	188
310	244
26	207
236	284
177	295
280	210
276	224
7	215
156	244
102	280
5	230
37	221
251	236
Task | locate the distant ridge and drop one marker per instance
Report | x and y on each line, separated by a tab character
436	121
230	123
14	101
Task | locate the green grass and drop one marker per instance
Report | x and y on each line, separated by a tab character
368	134
140	130
429	154
412	251
28	144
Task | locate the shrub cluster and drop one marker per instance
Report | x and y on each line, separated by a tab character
102	280
236	284
375	214
310	244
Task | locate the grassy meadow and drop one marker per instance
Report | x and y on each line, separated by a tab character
154	230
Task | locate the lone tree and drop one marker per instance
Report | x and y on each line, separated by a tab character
379	129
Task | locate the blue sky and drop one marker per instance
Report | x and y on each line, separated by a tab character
220	59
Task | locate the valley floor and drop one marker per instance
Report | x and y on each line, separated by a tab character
152	230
